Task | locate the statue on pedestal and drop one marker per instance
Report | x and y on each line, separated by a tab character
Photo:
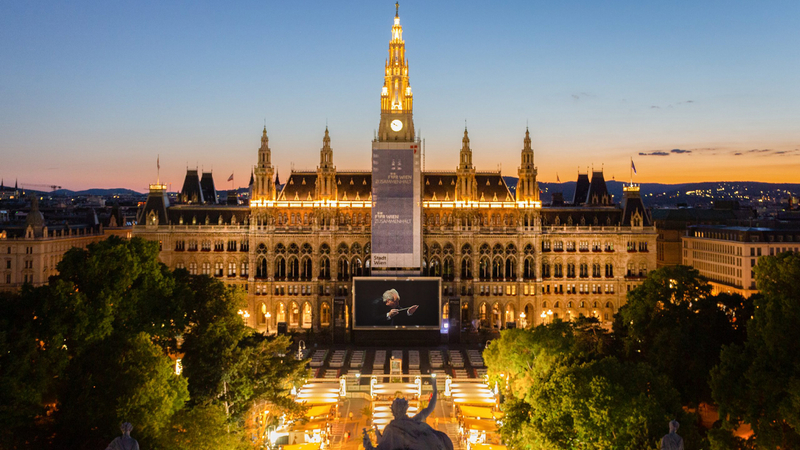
672	441
124	442
410	433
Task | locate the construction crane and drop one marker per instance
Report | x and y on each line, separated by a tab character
52	187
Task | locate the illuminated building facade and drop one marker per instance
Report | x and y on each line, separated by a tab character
728	255
510	259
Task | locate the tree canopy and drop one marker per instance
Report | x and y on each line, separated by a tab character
96	347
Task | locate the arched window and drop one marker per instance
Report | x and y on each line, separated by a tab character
261	267
294	315
325	314
262	314
511	268
511	313
307	315
343	269
306	268
528	271
356	267
545	269
325	268
280	267
466	268
496	320
280	313
435	267
497	268
485	268
448	268
293	269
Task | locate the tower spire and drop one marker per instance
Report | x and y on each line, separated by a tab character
397	122
527	186
264	189
326	171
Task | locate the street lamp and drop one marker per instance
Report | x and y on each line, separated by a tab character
268	316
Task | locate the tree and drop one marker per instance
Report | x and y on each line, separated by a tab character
564	390
203	427
672	322
758	382
229	363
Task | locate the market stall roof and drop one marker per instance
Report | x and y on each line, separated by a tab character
307	446
486	447
317	411
480	425
479	412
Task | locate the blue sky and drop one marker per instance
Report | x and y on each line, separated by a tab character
92	92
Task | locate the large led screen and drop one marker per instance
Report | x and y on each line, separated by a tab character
401	303
395	206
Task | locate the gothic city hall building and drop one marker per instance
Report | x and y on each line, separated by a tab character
503	257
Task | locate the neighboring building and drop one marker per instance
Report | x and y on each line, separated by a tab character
29	253
295	249
672	223
727	255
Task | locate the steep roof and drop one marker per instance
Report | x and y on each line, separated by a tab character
191	191
598	192
207	186
581	189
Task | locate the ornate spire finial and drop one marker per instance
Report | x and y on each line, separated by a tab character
397	9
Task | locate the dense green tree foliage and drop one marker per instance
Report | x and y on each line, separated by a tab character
565	390
96	347
672	322
758	382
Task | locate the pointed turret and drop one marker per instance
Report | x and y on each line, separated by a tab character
466	186
527	186
397	123
326	171
263	189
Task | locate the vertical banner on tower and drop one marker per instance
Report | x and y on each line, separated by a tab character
396	207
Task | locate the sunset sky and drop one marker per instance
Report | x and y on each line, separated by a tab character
91	93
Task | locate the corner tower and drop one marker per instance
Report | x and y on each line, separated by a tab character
527	187
326	171
263	188
397	123
467	185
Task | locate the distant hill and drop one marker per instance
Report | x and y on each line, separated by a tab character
97	192
669	194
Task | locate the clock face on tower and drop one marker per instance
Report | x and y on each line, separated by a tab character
396	125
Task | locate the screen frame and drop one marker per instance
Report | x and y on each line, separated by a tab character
398	327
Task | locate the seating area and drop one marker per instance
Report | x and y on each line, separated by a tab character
357	359
456	359
318	358
475	358
337	360
436	359
379	362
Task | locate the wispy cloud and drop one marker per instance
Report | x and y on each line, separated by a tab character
581	95
657	153
678	150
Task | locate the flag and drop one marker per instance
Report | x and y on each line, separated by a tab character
633	167
558	180
230	178
158	162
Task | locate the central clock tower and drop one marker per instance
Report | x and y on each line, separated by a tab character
397	123
396	172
